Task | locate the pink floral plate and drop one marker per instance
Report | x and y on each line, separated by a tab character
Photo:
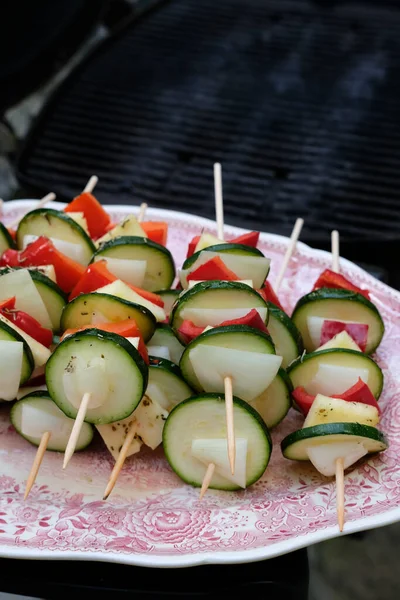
153	518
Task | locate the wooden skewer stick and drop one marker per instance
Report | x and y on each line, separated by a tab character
339	461
340	492
37	462
119	462
335	251
142	212
45	200
289	251
207	480
230	427
1	205
219	203
91	184
73	438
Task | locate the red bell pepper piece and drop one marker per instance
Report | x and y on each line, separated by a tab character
43	252
96	217
9	303
192	245
10	258
359	392
330	279
302	399
157	231
97	275
13	233
25	322
357	331
189	331
252	319
267	292
213	269
126	328
248	239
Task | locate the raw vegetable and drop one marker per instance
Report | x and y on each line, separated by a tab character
203	418
285	335
213	269
166	385
343	305
164	336
169	297
97	218
129	226
273	404
157	231
121	290
54	224
36	413
334	371
340	340
160	269
98	308
6	240
330	279
18	283
16	365
334	410
322	330
39	352
267	292
103	363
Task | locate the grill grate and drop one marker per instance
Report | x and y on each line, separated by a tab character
298	103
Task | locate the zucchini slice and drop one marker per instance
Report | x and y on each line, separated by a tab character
36	413
95	308
164	337
203	418
160	268
218	301
242	349
285	335
169	297
8	334
273	404
122	383
6	240
53	297
245	263
334	371
55	224
296	444
339	305
166	385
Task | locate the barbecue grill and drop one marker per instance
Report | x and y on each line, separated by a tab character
298	102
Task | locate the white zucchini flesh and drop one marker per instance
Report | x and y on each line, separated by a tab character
214	316
315	325
245	267
114	435
79	217
33	416
333	379
121	290
159	351
216	451
251	372
74	251
194	282
130	271
11	354
335	410
82	377
19	283
204	417
324	456
40	353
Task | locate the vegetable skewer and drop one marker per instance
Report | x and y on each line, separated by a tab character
339	476
219	214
